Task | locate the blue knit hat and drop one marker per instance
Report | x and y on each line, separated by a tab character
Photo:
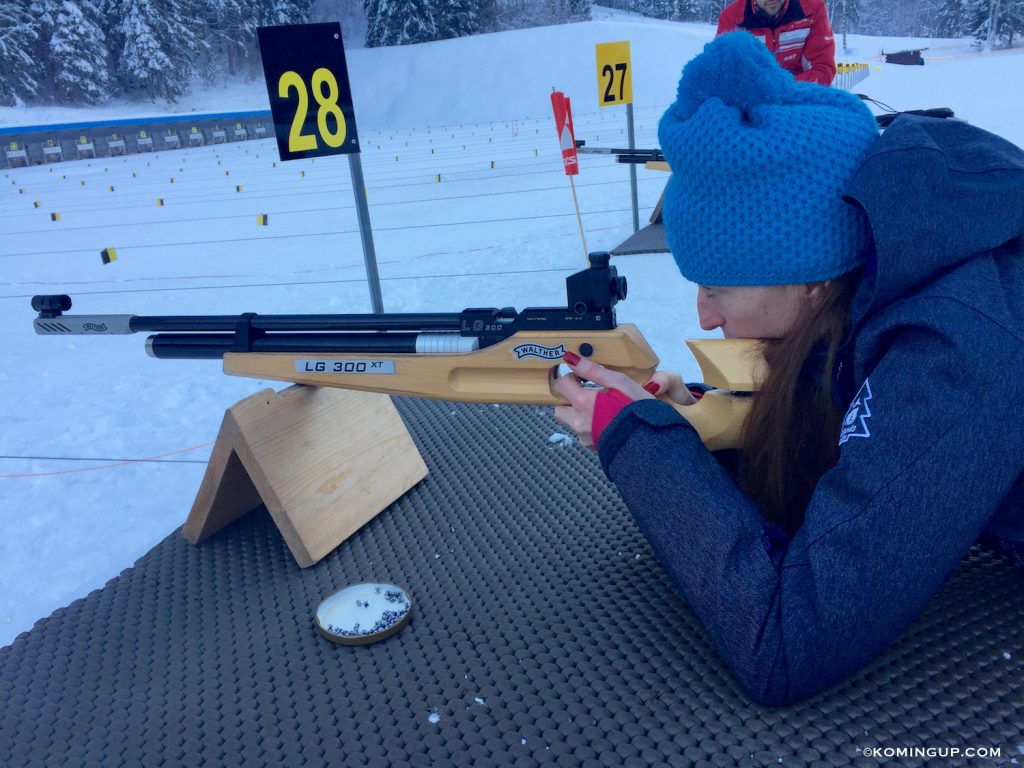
759	162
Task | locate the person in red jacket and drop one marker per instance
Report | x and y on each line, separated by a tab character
798	32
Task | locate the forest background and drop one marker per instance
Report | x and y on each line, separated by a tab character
78	52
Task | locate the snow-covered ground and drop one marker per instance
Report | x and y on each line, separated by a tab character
76	503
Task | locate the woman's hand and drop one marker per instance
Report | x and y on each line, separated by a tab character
579	414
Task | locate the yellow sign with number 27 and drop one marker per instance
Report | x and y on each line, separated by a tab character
614	74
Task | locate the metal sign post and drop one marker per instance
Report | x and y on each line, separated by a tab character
365	231
311	102
632	167
615	86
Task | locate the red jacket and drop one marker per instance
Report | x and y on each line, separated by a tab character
800	35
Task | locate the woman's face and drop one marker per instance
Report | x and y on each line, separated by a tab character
755	311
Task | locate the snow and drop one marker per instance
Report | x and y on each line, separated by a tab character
79	413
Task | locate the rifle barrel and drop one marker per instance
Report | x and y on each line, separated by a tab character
625	155
210	346
432	321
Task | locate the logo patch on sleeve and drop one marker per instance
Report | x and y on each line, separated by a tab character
855	423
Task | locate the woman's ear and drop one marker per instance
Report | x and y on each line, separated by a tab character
816	292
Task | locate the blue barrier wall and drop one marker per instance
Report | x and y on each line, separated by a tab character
34	144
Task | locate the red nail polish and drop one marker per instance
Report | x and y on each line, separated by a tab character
570	357
652	387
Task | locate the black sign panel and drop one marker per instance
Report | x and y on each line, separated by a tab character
310	97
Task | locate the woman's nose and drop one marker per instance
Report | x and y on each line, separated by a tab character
709	317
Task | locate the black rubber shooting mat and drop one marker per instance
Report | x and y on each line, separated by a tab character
544	633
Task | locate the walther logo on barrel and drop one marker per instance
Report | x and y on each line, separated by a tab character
536	350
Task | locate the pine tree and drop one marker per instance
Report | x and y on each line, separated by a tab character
401	22
456	18
286	12
19	38
708	10
78	54
688	10
662	9
1014	20
844	15
997	22
374	23
578	10
158	50
954	18
228	28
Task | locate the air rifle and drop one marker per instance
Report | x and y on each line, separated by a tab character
473	356
635	156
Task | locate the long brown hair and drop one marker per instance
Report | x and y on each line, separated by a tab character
791	433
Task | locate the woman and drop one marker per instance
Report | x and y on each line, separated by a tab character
886	275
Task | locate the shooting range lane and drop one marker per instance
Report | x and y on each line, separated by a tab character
544	633
217	191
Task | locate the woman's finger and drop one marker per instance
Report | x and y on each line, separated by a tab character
591	371
568	386
671	385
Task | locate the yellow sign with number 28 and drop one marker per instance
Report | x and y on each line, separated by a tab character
310	96
328	107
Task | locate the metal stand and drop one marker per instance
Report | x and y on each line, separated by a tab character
365	231
632	167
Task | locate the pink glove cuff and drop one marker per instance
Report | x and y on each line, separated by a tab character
606	407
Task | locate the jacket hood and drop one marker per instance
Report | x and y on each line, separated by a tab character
936	192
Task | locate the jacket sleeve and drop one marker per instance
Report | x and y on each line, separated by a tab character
728	20
913	488
819	50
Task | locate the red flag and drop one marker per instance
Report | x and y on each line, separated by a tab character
566	136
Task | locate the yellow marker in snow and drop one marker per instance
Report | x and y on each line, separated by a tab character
108	255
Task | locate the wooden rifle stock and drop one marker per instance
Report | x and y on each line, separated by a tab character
522	369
